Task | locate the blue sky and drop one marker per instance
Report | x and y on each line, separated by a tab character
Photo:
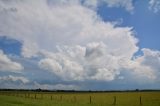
80	44
144	21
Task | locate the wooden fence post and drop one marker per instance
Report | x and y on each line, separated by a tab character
41	96
51	97
75	99
140	100
35	96
28	95
61	98
25	95
90	99
114	100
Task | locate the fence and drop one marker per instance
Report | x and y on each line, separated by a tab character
59	98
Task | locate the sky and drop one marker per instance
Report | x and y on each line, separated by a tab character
80	44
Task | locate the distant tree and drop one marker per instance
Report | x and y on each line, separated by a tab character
39	90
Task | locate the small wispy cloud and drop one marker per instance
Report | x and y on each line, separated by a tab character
154	5
126	4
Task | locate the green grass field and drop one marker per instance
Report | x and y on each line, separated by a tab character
80	99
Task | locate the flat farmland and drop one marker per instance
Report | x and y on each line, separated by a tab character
13	98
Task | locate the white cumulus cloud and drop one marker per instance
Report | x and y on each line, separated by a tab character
11	78
71	40
47	26
6	64
151	59
56	86
10	81
93	62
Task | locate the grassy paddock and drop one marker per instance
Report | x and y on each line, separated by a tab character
13	98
